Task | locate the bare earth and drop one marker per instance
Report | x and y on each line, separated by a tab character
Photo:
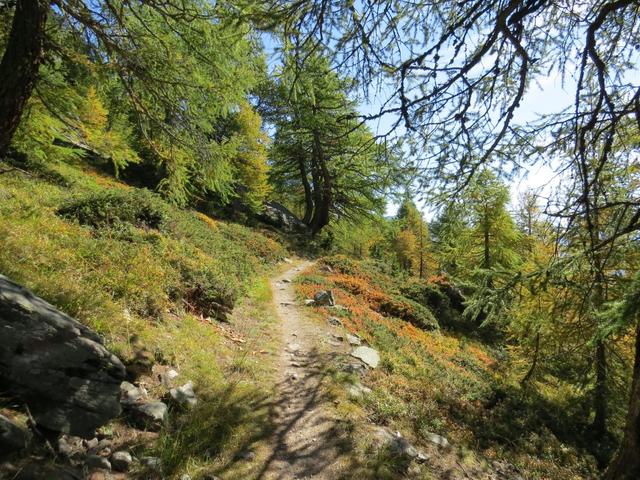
308	442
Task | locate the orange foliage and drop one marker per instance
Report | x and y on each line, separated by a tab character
363	299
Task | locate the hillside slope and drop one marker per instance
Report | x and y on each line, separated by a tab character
152	278
436	381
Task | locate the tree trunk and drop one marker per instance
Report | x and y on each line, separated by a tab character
308	197
626	463
599	425
421	275
534	363
19	66
322	189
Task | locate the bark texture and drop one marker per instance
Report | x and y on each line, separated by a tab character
20	64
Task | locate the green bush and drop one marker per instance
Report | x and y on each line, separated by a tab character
410	311
137	207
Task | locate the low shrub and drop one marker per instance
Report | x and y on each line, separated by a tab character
137	207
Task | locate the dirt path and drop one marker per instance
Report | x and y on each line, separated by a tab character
308	442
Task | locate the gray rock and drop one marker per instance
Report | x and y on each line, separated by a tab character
94	462
12	436
309	302
184	395
358	390
281	217
121	461
437	439
102	448
154	463
354	367
354	340
149	415
56	365
368	355
324	298
247	455
168	377
130	394
397	445
293	347
335	321
71	447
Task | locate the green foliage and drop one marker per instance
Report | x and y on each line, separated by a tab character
140	254
136	207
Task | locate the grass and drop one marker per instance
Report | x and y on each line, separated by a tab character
438	381
124	262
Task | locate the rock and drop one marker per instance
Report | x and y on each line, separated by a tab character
121	461
248	455
324	298
354	367
149	415
354	340
368	355
286	280
358	390
293	347
327	268
335	321
12	436
90	444
95	462
277	215
185	476
338	337
309	302
103	448
71	447
437	439
130	394
397	445
154	463
168	377
56	365
287	260
184	395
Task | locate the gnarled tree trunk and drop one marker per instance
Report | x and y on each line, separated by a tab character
20	64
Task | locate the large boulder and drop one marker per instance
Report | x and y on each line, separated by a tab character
56	365
280	217
12	437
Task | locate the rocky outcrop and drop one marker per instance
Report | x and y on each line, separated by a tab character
56	365
280	217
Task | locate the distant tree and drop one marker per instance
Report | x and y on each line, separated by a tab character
322	158
413	240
